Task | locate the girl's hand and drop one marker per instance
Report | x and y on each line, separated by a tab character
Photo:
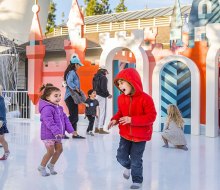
111	124
125	120
58	136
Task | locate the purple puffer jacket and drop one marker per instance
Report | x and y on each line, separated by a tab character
53	120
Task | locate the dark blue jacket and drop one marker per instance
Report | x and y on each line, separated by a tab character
2	109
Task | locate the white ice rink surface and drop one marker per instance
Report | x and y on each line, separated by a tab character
90	164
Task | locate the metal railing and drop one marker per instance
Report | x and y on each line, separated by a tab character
17	104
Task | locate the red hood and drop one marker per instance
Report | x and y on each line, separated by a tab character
130	75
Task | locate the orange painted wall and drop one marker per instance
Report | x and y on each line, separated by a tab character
198	55
86	74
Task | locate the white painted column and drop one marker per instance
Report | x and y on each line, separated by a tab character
213	35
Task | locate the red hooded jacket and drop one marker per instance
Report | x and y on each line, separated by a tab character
139	106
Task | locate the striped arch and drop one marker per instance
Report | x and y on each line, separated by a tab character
195	90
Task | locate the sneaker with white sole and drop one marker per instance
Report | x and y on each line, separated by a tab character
127	173
51	168
136	186
43	171
5	156
91	133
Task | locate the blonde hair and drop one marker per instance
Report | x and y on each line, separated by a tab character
173	114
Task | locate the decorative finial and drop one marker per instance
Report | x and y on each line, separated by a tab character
35	7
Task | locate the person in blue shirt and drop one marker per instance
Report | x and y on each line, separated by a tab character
3	127
72	81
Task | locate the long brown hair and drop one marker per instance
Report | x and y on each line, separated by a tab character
173	114
68	69
47	90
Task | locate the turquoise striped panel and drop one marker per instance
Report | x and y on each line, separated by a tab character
176	89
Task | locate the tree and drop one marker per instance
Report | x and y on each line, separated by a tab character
90	7
93	7
121	7
103	7
51	17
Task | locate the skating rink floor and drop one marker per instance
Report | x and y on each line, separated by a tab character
90	164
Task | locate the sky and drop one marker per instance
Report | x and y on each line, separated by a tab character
131	4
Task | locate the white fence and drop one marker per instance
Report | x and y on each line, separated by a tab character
17	104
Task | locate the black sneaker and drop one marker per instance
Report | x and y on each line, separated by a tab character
78	137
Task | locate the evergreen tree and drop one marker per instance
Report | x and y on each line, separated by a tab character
95	7
103	7
121	7
51	17
90	7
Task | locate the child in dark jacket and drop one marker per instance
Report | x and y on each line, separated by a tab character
3	127
135	116
92	110
54	123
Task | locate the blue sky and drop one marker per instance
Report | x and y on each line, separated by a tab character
131	4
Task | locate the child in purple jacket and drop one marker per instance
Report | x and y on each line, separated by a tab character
54	123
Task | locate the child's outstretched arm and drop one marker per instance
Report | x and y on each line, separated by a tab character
48	119
148	116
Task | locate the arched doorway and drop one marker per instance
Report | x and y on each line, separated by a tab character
121	41
182	66
119	65
176	89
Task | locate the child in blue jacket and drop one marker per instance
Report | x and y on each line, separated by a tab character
3	127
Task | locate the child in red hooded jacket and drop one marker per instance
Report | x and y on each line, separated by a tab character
135	116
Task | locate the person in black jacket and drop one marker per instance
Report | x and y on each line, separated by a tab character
100	83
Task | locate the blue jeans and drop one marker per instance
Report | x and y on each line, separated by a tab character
129	155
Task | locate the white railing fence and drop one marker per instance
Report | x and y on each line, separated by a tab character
17	104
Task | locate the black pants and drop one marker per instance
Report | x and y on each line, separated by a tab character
73	112
91	122
129	155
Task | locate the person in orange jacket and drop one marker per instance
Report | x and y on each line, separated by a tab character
135	116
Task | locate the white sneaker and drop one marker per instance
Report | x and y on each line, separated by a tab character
43	171
127	173
51	168
136	186
91	133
